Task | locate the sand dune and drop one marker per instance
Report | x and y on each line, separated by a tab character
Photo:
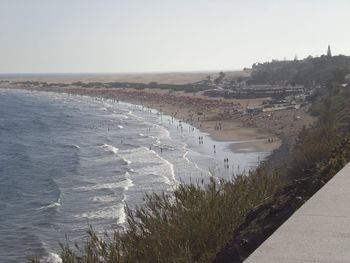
164	78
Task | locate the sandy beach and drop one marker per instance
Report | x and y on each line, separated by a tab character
202	112
222	119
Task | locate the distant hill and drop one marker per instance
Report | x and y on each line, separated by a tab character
318	70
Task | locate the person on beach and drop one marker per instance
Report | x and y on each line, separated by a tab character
226	165
214	148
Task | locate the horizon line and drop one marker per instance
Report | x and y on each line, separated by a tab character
122	72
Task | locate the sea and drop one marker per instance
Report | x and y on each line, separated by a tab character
68	161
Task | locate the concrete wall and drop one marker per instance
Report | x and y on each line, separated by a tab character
318	232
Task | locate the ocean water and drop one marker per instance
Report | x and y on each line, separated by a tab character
68	161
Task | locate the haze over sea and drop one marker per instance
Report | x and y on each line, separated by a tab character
68	161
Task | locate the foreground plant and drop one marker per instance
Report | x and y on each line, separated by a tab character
189	225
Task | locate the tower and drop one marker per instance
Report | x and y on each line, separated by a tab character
329	53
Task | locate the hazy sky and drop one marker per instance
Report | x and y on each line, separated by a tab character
165	35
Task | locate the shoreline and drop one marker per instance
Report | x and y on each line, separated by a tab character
239	136
244	155
273	133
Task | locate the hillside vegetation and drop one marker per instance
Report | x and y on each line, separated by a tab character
320	152
309	71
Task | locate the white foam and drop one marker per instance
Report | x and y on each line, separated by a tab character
110	148
120	127
56	204
52	205
121	215
53	258
194	163
185	156
165	134
171	167
158	165
103	198
129	183
110	212
126	160
160	170
131	114
126	184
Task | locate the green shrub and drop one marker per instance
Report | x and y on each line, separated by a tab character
314	145
190	225
338	158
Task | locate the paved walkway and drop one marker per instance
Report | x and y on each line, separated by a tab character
318	232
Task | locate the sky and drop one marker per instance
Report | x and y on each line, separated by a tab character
78	36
